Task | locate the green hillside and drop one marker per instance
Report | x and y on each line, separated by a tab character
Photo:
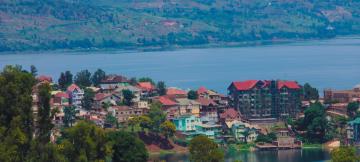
69	24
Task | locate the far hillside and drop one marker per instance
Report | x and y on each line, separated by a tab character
129	24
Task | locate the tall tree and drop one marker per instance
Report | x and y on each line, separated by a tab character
168	129
161	88
157	116
69	116
203	149
33	70
193	95
65	80
16	115
128	148
98	75
128	97
85	141
310	93
87	102
45	115
83	78
146	79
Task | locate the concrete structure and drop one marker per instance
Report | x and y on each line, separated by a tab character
342	96
76	95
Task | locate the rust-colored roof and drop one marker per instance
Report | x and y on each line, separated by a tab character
205	102
288	84
146	85
245	85
42	78
230	114
101	96
174	91
62	95
166	101
72	87
202	90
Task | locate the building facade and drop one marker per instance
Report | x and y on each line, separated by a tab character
256	99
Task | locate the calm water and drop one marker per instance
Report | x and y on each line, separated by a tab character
306	155
327	63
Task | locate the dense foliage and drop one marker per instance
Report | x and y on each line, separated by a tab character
48	24
344	154
203	149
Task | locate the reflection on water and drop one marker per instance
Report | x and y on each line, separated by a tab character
305	155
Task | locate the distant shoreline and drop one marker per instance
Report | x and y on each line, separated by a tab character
177	47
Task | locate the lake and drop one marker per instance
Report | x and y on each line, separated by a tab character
305	155
333	63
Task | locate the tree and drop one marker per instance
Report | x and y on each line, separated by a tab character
269	138
45	115
88	99
98	75
85	141
344	154
146	79
69	116
310	93
133	81
65	80
133	121
16	115
161	88
352	108
192	95
128	148
128	97
203	149
145	122
157	116
110	119
315	123
33	70
83	78
168	129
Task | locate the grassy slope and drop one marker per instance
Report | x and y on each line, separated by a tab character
54	24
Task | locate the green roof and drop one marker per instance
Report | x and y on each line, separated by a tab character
356	121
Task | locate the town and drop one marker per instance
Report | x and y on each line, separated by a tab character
266	113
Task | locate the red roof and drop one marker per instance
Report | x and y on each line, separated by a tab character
72	87
166	101
101	96
245	85
146	85
230	114
174	91
202	90
42	78
62	95
288	84
205	102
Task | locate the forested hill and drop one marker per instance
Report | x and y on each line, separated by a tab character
68	24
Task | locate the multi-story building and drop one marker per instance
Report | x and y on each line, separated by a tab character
353	131
342	96
76	95
256	99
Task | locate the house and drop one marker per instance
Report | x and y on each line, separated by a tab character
229	115
353	132
76	95
208	109
208	94
337	109
147	88
188	107
176	93
256	99
124	113
241	130
61	98
169	106
212	131
44	78
101	99
135	91
342	96
186	123
111	82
